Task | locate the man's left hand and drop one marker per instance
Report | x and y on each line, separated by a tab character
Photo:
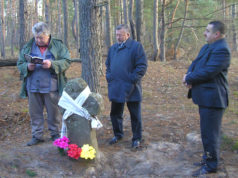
185	83
46	64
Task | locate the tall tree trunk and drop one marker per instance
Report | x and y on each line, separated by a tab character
121	12
224	9
131	21
125	11
108	25
12	36
2	29
234	46
59	29
90	46
155	31
162	33
47	8
182	29
22	23
36	12
139	19
75	26
65	8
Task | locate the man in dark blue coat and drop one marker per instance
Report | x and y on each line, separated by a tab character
126	64
207	82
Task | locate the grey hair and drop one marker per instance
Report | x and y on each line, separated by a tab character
40	28
123	26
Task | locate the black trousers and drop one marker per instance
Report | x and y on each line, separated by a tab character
117	119
210	125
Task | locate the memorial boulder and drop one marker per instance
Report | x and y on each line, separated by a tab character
80	108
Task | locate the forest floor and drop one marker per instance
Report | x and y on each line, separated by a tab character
169	118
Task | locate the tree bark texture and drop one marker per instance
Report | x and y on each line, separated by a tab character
22	24
47	8
162	33
108	25
139	19
65	9
59	28
234	40
125	11
2	29
155	31
75	26
131	21
90	47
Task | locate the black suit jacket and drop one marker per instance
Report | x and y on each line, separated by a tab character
208	75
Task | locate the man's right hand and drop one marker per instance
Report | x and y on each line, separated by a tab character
31	66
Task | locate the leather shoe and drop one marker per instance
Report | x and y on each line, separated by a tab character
202	171
54	137
34	141
114	140
135	144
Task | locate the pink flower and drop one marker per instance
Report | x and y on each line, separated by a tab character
62	142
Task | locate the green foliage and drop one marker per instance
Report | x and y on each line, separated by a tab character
31	173
228	143
235	146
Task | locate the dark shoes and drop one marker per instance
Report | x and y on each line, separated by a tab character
135	144
114	140
202	171
54	137
34	141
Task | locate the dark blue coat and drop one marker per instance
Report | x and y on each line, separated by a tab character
125	67
208	75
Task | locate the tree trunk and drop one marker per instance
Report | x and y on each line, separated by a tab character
162	33
36	12
47	16
131	21
59	29
75	27
121	12
108	25
13	6
224	9
90	47
125	11
8	62
234	46
2	29
22	24
155	31
65	9
139	19
182	29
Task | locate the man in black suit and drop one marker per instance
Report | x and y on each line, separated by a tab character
206	79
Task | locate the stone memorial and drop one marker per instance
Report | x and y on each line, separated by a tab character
79	126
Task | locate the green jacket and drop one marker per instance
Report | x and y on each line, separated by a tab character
59	65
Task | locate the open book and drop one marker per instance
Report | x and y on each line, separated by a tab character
33	59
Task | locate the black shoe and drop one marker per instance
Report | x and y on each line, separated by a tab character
135	144
201	163
34	141
202	171
54	137
114	140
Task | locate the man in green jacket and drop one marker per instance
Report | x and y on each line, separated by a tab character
43	82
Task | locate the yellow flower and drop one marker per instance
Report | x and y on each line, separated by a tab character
88	152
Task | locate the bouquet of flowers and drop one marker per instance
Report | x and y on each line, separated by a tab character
73	151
